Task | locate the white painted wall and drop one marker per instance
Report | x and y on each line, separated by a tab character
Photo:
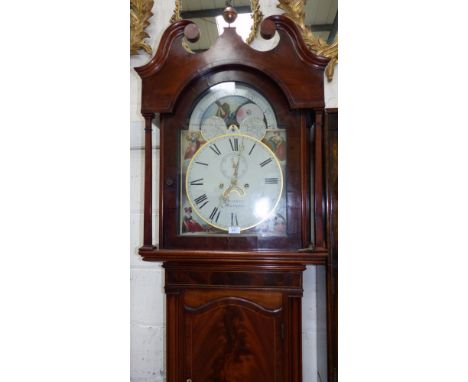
147	279
147	312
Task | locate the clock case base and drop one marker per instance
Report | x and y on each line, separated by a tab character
234	315
233	322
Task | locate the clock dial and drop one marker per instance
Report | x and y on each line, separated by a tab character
235	107
234	182
232	157
249	110
212	127
253	126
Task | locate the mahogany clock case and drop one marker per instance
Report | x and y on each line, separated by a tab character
295	123
290	76
244	291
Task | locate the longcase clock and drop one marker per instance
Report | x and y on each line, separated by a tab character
242	199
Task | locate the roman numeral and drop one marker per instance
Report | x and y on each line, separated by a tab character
197	182
215	213
200	200
215	149
234	144
271	180
265	162
202	163
234	222
250	152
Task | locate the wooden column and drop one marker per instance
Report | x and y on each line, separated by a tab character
319	207
306	161
147	220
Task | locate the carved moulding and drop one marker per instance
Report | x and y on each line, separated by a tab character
140	13
294	9
257	17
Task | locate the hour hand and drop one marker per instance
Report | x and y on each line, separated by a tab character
235	166
233	188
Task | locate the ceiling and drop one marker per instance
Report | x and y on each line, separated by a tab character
321	17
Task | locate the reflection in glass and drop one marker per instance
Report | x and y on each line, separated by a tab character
208	17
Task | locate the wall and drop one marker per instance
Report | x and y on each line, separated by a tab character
146	279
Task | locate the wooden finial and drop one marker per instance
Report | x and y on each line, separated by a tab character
192	32
267	29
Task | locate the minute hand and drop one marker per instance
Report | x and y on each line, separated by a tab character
236	168
233	186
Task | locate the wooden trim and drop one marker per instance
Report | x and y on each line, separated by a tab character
175	343
296	338
331	165
318	257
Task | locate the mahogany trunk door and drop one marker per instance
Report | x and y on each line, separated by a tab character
233	339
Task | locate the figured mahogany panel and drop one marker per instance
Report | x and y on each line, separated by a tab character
233	340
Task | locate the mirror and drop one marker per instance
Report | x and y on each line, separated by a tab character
207	14
318	20
321	17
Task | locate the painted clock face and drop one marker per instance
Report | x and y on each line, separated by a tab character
232	165
232	107
234	182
